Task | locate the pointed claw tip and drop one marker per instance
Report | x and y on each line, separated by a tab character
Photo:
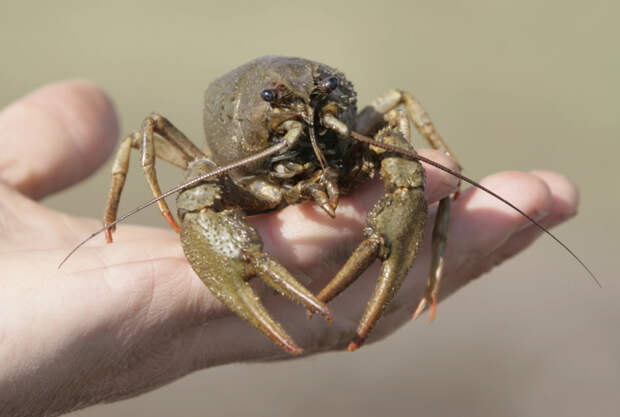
295	351
433	309
172	222
334	203
431	317
353	347
329	210
419	309
324	312
108	236
292	348
355	343
327	314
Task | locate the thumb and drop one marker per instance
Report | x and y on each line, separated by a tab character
55	136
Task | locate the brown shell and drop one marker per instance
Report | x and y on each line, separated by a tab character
236	119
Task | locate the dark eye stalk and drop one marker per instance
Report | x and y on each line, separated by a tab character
268	95
329	84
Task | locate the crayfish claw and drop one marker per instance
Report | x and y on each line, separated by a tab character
226	252
422	305
419	309
277	277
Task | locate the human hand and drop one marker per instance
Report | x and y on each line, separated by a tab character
121	319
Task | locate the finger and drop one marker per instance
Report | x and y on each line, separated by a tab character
564	196
55	136
564	202
438	183
481	224
301	234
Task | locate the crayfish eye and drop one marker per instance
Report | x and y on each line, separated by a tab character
329	84
268	95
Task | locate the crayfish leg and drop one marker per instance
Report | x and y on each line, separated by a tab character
369	121
157	138
439	242
398	219
394	228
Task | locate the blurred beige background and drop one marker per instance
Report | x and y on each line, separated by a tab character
511	85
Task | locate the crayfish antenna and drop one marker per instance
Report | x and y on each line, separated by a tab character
216	172
462	177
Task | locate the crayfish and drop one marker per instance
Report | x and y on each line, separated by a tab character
280	131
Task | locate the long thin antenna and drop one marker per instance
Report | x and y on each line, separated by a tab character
263	154
462	177
282	145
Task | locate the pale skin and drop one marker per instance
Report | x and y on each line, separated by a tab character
120	319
